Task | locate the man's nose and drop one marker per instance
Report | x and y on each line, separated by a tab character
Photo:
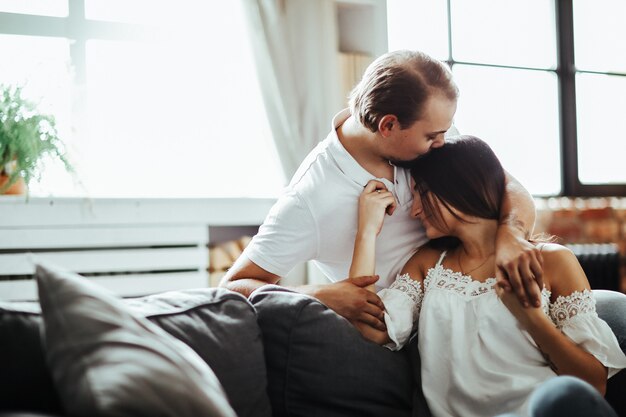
439	142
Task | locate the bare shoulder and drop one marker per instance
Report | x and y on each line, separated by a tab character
562	271
424	259
556	256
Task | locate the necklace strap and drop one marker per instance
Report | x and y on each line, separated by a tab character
474	269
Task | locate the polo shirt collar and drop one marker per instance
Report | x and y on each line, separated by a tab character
347	164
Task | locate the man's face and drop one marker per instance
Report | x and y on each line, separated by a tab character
426	133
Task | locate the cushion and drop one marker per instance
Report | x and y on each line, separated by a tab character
25	382
221	326
420	405
218	324
106	361
611	307
319	365
18	414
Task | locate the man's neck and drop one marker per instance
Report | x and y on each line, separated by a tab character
362	146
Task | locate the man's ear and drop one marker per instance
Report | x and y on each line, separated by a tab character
387	123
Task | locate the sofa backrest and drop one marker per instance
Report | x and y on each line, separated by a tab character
318	364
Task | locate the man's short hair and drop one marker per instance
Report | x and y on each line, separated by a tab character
399	83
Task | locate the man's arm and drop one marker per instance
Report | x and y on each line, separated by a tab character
518	262
245	276
348	298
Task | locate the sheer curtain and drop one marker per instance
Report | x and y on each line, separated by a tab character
295	44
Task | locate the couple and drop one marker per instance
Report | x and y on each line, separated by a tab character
400	110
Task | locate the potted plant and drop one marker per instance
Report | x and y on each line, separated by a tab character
26	137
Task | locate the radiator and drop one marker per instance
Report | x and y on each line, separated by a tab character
601	263
131	247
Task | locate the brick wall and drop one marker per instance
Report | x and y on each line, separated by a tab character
585	220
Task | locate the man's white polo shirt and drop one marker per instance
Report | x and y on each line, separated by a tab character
316	217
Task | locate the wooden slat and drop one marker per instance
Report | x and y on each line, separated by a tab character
123	285
101	236
46	212
79	237
18	290
109	260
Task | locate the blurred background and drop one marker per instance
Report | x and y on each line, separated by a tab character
222	99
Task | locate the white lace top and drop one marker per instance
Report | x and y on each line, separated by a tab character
475	358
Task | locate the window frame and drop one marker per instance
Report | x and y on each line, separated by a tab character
565	72
76	28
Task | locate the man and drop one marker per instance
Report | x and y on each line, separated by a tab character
402	107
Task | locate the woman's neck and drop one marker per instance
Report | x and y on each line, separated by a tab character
478	238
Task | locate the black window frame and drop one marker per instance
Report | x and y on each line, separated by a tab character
566	78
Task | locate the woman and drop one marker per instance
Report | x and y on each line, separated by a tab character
482	353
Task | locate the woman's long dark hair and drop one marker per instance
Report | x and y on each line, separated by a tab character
464	174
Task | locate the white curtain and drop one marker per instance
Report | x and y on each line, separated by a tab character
295	44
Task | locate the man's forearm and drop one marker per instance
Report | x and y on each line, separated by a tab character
247	286
518	208
244	286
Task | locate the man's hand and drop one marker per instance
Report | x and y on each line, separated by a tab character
350	299
380	337
519	265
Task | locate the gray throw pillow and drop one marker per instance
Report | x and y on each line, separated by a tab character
318	364
221	327
105	361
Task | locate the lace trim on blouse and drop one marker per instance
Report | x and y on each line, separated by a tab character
567	307
564	308
410	287
447	279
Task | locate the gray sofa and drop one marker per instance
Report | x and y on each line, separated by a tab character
278	354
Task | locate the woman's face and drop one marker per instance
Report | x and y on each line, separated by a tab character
433	229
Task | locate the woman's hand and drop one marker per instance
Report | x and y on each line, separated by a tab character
519	264
527	316
374	202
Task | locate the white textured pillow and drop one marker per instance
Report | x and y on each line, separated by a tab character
107	362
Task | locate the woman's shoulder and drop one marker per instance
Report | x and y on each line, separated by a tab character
553	253
561	269
425	258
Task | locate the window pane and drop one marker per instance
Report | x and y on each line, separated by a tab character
600	104
421	25
504	32
128	11
37	7
598	28
42	67
183	119
516	112
161	12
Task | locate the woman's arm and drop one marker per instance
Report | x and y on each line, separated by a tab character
564	356
403	299
374	202
519	263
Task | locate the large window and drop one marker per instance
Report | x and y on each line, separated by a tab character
543	81
155	98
